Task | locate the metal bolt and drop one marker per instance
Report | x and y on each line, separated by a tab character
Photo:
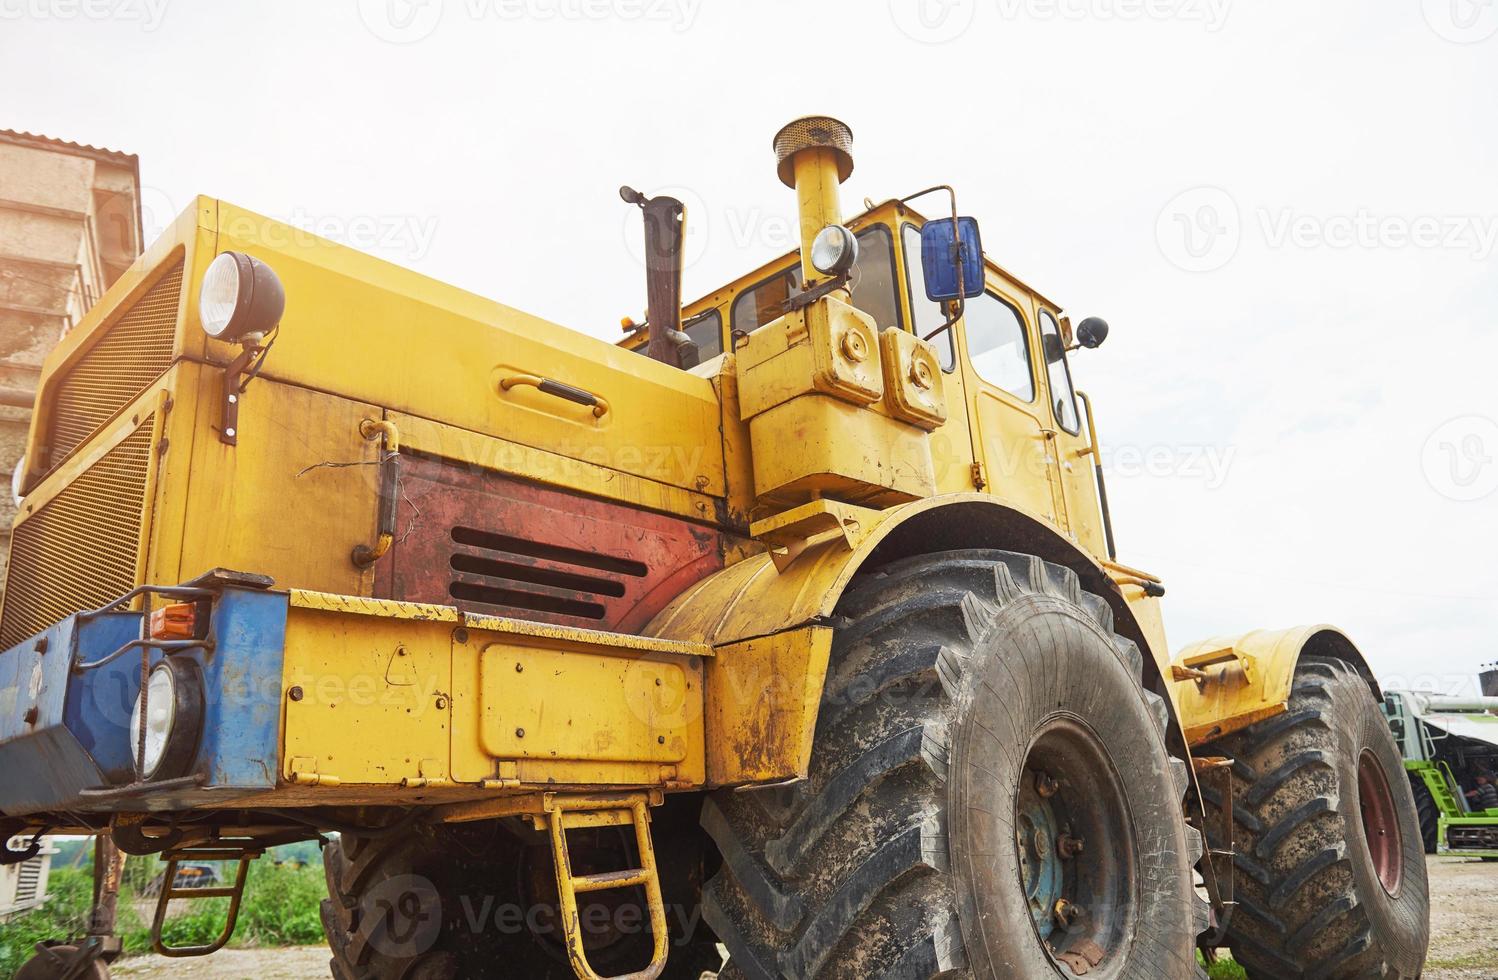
1068	846
520	668
460	635
660	740
1067	914
295	694
442	704
1040	842
658	682
520	733
1046	785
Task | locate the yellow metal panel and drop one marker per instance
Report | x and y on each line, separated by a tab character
588	703
375	699
297	445
829	347
559	704
421	347
839	449
762	701
665	467
1247	678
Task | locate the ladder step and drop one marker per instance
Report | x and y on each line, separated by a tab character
612	879
190	893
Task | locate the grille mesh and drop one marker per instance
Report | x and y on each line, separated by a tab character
80	549
132	354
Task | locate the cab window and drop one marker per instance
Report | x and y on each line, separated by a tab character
927	314
997	345
1063	399
706	331
872	283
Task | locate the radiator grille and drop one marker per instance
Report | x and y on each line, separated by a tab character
132	354
80	549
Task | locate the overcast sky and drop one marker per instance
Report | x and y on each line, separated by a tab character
1288	212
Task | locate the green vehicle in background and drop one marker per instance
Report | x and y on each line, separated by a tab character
1446	743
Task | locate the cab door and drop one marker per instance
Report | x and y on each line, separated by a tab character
1072	444
1012	433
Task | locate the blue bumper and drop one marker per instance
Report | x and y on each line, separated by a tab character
65	742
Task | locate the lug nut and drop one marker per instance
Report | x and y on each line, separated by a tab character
1046	785
1067	914
1068	846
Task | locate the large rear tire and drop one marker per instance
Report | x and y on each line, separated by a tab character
1331	876
977	709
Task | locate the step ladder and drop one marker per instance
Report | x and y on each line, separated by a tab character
564	813
205	851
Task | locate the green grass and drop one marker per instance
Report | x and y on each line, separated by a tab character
280	908
1223	969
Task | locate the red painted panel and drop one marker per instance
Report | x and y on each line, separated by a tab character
494	544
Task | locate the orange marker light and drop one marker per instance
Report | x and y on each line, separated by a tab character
177	621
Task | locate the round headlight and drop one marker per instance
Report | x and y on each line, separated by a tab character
240	296
834	250
173	707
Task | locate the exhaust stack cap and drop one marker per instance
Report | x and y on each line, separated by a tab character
810	133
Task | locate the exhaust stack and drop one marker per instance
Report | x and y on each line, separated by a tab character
814	154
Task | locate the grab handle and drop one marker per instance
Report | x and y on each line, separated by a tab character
559	389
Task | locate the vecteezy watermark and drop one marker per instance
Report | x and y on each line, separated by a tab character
1460	458
940	21
147	13
1461	21
932	21
405	236
1201	229
1211	14
409	21
1474	234
401	916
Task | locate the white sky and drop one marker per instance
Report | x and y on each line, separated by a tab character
1278	396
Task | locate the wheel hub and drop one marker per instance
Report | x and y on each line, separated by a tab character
1380	822
1075	846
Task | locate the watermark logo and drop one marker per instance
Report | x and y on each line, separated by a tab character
1211	14
1460	458
1461	21
932	21
401	916
147	13
1199	229
401	21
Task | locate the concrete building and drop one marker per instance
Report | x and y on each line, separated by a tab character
24	886
70	223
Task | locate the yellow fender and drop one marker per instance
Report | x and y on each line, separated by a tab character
1227	683
770	616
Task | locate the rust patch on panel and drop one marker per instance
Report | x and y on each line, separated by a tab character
497	545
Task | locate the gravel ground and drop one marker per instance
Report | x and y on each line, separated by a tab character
1463	925
1463	920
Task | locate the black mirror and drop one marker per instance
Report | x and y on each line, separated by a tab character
1092	331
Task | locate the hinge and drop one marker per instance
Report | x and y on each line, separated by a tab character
980	479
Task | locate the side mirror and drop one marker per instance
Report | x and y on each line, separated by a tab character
1092	331
947	245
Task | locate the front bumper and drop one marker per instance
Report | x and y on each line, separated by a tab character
312	699
66	696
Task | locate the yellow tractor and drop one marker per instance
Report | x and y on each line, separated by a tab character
790	626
